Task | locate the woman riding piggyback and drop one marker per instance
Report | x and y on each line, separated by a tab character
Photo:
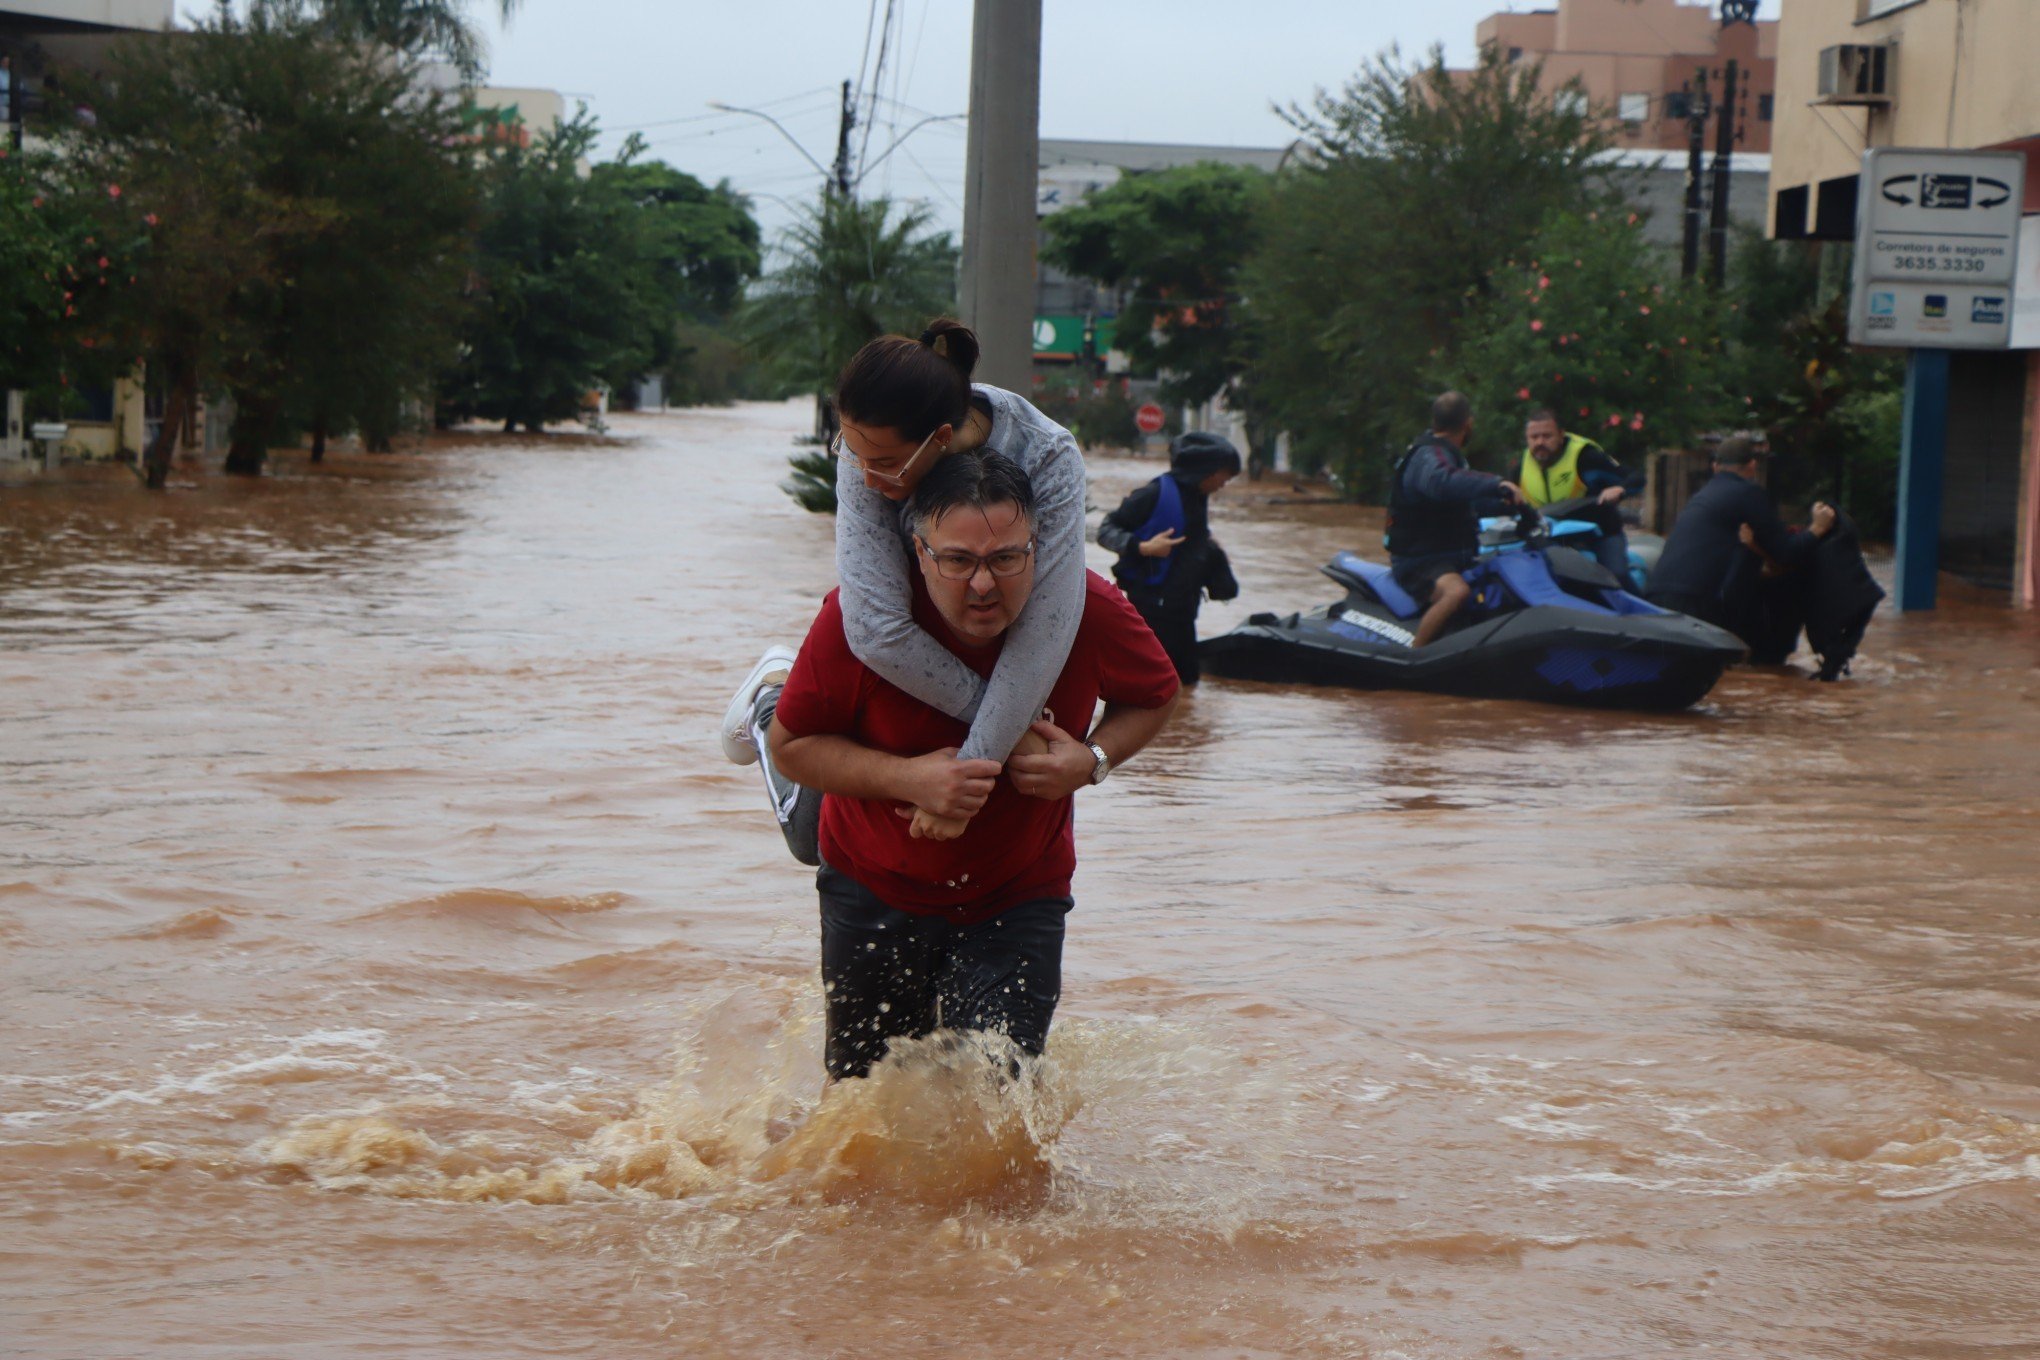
904	405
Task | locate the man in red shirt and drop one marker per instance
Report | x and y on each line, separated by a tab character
951	916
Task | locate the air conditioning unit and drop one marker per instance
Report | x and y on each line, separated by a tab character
1857	73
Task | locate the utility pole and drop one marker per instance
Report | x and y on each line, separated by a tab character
996	291
841	180
1724	150
1696	149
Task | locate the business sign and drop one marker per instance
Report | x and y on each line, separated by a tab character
1062	337
1937	241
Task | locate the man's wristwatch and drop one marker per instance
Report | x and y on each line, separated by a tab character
1104	765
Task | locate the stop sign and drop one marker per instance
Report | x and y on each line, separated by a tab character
1150	418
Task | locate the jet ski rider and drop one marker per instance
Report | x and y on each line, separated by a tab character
1561	467
1435	505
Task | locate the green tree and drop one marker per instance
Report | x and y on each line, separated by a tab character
1176	240
416	28
68	268
848	271
1413	186
703	245
177	145
358	314
1792	372
1594	323
568	295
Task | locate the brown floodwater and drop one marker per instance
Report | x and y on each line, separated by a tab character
391	965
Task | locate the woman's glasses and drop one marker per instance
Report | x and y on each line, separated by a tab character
848	456
961	566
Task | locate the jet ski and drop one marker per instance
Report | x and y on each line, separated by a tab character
1576	524
1545	623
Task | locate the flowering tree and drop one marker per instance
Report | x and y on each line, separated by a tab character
68	265
1589	322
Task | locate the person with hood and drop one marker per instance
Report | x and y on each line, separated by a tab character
1168	561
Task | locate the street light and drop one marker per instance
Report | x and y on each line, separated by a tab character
721	107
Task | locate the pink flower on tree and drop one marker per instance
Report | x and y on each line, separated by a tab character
1645	310
1536	325
113	191
1522	394
149	218
1544	280
1614	421
1637	422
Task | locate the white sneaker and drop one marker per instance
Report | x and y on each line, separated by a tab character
737	741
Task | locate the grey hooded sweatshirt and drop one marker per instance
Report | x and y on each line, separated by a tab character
874	555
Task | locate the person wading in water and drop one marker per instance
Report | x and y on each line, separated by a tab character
906	405
1167	559
961	933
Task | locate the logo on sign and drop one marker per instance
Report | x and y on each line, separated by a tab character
1987	311
1936	304
1044	333
1948	191
1944	191
1884	304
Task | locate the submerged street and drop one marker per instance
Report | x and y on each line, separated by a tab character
393	964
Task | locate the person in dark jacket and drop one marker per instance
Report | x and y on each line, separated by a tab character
1435	504
1707	569
1168	561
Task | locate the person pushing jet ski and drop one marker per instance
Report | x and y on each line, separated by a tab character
1168	562
1435	505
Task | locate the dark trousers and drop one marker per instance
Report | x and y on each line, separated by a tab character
890	974
1174	624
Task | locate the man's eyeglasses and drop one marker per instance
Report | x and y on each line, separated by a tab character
962	566
844	454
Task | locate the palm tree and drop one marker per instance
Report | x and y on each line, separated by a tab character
848	271
417	28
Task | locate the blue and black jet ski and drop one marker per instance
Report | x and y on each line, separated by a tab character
1545	623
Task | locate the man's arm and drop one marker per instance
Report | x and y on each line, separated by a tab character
1434	477
1601	474
1789	549
937	782
1116	531
1067	764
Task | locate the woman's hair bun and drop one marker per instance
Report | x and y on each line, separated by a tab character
955	342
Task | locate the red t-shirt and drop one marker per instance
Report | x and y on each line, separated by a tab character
1017	847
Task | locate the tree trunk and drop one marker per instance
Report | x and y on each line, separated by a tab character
319	440
156	458
254	420
510	425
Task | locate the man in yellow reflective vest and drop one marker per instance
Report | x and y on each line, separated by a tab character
1562	467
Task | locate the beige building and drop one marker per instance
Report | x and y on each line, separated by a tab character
1857	74
1640	57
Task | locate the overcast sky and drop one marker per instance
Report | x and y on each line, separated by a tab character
1117	70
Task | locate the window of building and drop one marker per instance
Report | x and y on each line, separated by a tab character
1678	105
1515	54
1764	106
1634	108
1570	101
1873	8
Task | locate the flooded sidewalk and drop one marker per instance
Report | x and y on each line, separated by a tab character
392	964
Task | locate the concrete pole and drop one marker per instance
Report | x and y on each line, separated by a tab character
996	293
1922	451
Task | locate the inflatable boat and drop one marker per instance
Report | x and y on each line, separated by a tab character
1545	623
